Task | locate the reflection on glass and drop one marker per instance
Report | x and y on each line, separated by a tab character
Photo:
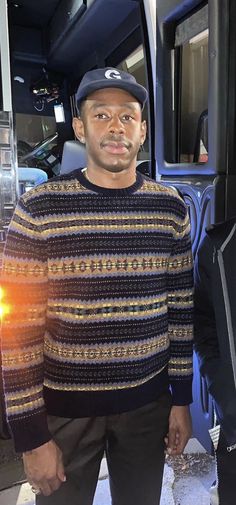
135	65
32	129
194	100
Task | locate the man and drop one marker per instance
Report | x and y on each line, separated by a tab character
98	271
215	323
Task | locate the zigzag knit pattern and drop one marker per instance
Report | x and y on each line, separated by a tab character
99	284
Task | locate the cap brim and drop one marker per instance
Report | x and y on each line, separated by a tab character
136	90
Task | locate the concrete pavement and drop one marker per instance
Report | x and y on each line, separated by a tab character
179	488
22	495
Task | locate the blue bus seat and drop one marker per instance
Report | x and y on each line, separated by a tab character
29	177
73	156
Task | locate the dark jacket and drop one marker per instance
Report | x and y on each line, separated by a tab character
215	320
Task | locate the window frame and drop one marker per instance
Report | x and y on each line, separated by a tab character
169	16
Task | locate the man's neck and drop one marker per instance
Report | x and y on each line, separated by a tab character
111	180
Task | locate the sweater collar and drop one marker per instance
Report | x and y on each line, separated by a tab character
107	191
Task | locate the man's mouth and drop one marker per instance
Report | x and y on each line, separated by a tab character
112	147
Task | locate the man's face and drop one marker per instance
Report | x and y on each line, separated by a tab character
112	127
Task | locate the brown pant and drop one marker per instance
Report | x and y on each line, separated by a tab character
134	447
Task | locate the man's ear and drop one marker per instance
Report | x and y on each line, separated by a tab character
78	127
143	132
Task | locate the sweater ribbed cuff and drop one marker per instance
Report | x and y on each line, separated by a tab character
181	392
30	432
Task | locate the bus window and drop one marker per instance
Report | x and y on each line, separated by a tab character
34	129
135	65
194	100
37	143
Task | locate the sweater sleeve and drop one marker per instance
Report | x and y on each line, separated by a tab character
180	312
24	288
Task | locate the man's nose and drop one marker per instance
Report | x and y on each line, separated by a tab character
116	125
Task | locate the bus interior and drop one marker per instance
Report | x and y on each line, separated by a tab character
182	51
52	44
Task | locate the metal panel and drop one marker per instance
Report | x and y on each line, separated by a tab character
67	13
199	196
8	177
191	26
150	11
5	57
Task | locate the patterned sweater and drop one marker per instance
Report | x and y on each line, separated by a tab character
99	287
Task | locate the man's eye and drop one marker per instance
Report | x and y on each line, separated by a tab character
101	116
127	117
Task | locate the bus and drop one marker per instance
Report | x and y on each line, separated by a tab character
182	51
45	49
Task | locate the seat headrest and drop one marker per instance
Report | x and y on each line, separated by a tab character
73	156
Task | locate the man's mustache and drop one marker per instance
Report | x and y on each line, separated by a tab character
116	140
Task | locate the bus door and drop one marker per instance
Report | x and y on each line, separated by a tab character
52	44
195	72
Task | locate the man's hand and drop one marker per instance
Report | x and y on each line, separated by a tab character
44	468
180	430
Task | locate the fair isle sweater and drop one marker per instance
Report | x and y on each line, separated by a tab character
99	285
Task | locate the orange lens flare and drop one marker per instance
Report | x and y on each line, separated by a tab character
4	307
1	293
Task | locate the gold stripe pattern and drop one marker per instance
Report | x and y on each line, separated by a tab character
72	186
108	265
105	353
107	309
20	359
26	406
19	395
95	228
108	218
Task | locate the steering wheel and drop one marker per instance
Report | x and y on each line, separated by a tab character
42	146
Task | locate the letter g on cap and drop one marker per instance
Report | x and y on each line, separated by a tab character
112	74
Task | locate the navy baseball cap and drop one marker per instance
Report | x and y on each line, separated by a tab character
109	77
